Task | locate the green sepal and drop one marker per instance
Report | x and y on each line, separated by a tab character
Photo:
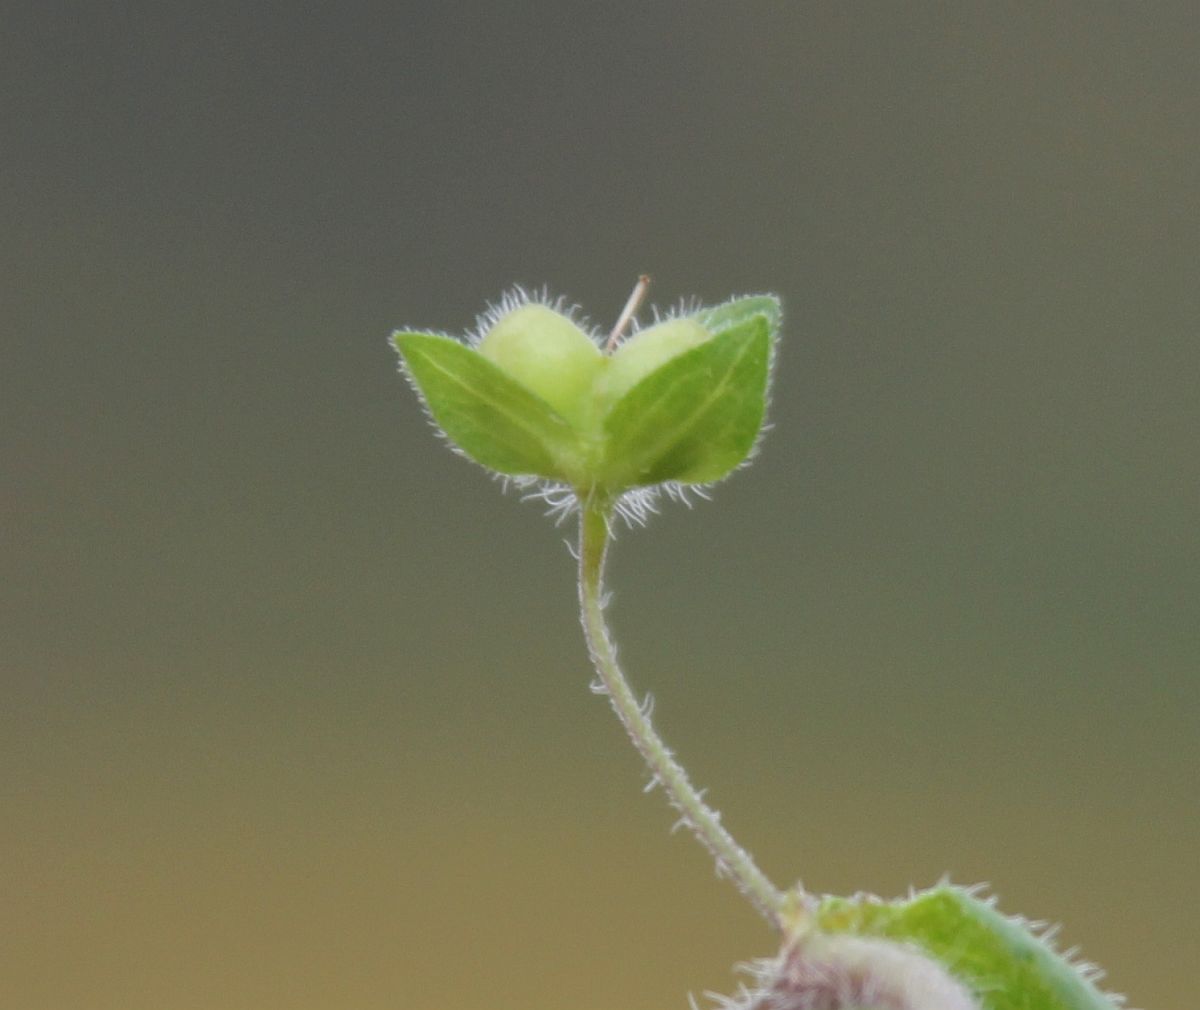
492	418
695	418
1000	959
717	318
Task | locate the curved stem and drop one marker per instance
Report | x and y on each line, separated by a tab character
732	860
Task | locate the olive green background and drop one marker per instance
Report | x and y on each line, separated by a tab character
293	702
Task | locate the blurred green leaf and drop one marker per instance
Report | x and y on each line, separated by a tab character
999	958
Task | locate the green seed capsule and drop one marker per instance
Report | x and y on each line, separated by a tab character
680	402
548	354
643	353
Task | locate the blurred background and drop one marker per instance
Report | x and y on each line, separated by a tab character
293	702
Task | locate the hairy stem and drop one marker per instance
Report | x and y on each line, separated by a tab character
732	860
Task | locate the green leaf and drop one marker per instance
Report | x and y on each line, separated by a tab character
736	311
694	418
1000	959
495	420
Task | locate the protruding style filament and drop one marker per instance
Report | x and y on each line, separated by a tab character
636	297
